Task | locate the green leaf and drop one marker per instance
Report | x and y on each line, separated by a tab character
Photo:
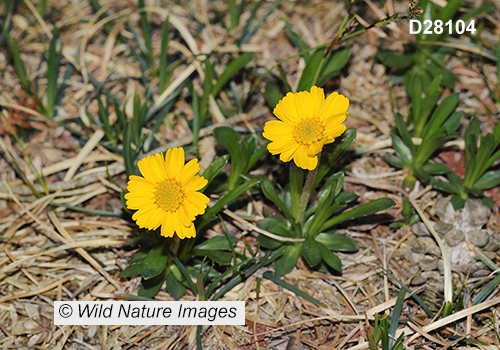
396	314
212	212
165	40
287	261
291	288
330	258
229	139
134	269
436	168
432	95
404	133
270	193
256	156
457	202
128	153
207	88
332	154
311	251
149	288
394	161
232	68
488	180
446	187
363	209
402	150
175	288
345	198
336	242
219	256
297	41
217	243
311	70
450	10
214	169
442	112
275	226
246	34
407	208
156	260
272	95
396	59
268	242
185	273
334	63
452	124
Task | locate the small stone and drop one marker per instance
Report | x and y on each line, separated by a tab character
432	275
478	238
442	228
454	237
492	245
428	263
444	210
419	247
418	280
475	213
419	229
490	255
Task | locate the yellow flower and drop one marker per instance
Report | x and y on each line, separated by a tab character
307	123
167	194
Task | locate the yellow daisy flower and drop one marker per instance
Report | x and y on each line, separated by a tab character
306	123
167	194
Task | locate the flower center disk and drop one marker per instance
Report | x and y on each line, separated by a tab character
308	131
169	195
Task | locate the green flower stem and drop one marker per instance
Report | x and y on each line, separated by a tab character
174	248
306	193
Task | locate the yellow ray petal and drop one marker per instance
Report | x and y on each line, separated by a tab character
147	170
174	161
196	183
188	171
167	227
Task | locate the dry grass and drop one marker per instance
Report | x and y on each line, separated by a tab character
51	253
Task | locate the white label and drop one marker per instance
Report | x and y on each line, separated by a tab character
149	313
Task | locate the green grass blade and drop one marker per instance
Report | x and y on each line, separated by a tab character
165	40
396	314
233	68
247	35
185	273
414	296
364	209
291	288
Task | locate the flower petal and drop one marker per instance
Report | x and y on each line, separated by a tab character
334	105
159	166
174	161
281	146
335	131
167	227
148	171
196	183
197	200
188	171
287	155
318	99
275	130
314	149
303	161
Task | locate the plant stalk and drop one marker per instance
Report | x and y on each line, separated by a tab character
306	193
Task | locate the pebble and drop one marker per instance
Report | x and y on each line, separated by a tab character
478	238
454	237
428	263
475	213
